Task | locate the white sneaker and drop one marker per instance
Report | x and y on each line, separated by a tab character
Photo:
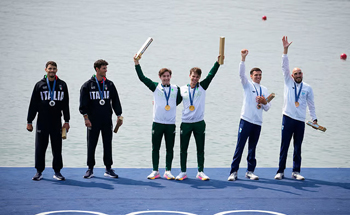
297	176
232	177
181	176
279	176
202	176
154	175
251	175
168	175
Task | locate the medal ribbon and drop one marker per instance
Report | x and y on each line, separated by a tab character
189	93
295	91
53	89
257	91
99	89
167	96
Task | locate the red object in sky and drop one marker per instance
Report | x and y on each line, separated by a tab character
264	18
343	56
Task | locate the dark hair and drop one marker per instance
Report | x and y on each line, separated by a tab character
52	63
163	70
255	69
196	70
100	63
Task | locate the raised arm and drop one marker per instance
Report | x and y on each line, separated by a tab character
205	83
285	60
286	44
148	82
243	77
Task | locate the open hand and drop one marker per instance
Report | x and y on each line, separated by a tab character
285	42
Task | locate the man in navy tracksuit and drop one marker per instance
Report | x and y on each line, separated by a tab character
297	96
97	98
49	99
254	103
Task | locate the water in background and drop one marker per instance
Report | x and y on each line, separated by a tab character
186	34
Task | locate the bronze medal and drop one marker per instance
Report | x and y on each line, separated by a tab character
167	107
191	108
297	95
258	106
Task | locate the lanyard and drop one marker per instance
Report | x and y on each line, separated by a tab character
257	90
295	91
189	93
99	89
167	96
53	89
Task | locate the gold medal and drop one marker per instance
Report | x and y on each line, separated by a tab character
296	104
191	108
167	107
258	106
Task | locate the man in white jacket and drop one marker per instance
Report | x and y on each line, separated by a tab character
297	96
254	102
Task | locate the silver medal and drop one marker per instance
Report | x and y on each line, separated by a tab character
102	102
52	103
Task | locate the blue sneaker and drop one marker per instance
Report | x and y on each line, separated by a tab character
59	176
89	173
37	176
110	173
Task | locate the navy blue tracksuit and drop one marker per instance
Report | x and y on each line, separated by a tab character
291	128
251	131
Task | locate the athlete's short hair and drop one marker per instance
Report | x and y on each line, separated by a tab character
164	70
52	63
255	69
196	70
100	63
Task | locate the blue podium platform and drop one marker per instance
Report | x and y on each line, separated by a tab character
325	191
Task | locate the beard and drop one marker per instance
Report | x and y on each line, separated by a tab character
298	80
